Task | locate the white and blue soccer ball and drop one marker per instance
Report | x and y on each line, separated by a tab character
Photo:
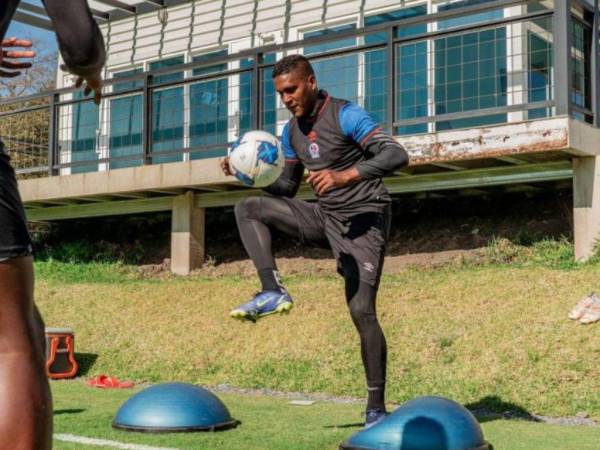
256	159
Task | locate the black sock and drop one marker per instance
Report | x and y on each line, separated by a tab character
269	278
376	397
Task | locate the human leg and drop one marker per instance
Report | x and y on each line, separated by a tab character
25	401
361	297
257	218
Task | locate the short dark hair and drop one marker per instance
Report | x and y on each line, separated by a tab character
292	63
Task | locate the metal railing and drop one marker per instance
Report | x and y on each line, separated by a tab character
482	64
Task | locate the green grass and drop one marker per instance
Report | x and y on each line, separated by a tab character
492	335
72	273
271	423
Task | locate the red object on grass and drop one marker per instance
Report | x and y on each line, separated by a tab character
106	382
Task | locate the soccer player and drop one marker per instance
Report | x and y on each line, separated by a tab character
346	154
25	401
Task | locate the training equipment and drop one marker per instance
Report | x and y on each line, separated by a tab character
263	304
173	407
60	353
424	423
106	382
256	159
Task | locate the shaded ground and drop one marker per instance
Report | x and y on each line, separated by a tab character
82	411
428	231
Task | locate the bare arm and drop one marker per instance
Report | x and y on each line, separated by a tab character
80	42
288	183
79	38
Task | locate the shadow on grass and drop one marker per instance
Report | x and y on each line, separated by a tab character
492	408
346	425
85	361
59	412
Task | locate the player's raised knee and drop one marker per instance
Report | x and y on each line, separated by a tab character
246	206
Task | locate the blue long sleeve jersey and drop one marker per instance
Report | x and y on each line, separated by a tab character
338	136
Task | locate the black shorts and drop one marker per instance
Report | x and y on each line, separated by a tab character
14	238
358	241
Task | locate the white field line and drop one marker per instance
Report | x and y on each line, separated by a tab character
105	443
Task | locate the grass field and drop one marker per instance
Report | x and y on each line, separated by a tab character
490	336
271	423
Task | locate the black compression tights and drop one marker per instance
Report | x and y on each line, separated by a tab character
256	218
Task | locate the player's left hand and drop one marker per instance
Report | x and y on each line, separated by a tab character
9	58
326	179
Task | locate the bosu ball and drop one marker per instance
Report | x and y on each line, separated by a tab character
424	423
173	407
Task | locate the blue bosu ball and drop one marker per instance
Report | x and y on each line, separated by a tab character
424	423
173	407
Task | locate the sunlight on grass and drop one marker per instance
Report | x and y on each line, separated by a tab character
491	334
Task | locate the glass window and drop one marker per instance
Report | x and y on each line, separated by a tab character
167	113
209	110
539	73
86	120
246	113
338	75
269	97
581	52
467	19
470	69
411	78
125	135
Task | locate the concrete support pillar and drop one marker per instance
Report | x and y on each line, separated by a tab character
586	205
187	235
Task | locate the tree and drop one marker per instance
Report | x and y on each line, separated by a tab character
25	134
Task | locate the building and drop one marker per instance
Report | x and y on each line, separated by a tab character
480	92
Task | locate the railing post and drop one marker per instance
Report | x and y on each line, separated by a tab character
53	135
257	91
595	65
562	27
147	121
391	70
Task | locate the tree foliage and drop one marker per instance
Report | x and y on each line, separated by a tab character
25	133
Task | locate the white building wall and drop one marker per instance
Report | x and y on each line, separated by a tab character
209	23
205	26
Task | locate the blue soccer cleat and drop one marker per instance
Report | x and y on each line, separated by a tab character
374	416
263	304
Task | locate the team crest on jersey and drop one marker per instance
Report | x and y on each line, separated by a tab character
313	149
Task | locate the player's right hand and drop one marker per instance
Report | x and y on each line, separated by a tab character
225	166
9	59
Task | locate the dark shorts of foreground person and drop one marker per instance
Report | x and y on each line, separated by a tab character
14	238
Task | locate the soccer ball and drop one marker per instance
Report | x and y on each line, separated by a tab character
256	159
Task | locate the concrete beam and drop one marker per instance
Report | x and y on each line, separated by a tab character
109	208
459	179
132	181
545	135
586	205
187	235
583	139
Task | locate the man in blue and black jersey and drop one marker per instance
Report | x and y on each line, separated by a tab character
346	154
